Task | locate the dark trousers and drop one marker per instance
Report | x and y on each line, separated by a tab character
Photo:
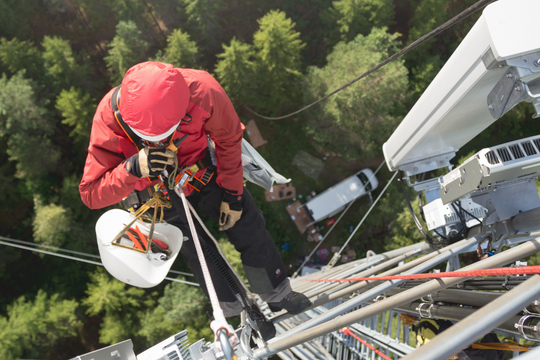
261	259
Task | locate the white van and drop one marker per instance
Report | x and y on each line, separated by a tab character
335	199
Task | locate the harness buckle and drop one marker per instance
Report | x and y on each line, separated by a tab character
185	177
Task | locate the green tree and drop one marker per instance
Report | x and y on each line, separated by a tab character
359	16
181	51
52	223
60	64
127	10
235	71
125	50
17	55
404	230
23	122
182	306
202	16
278	48
203	13
77	109
118	304
32	329
84	218
16	17
142	12
356	121
426	61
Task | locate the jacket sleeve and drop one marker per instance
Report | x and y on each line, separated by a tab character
105	180
225	128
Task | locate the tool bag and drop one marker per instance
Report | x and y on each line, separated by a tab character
256	169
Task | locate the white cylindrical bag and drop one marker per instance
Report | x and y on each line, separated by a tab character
128	265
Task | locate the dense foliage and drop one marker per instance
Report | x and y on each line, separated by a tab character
59	57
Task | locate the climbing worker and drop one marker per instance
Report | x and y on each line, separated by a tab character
158	104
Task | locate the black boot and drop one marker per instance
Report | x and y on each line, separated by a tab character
294	303
266	328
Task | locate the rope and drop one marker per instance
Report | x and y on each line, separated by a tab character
348	331
74	252
320	242
49	247
158	201
365	216
219	249
80	260
510	346
217	311
337	255
447	25
518	270
332	228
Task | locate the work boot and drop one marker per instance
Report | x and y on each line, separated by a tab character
294	303
266	327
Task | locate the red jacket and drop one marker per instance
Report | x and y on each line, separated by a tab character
105	180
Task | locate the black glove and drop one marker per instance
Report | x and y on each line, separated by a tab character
149	162
230	210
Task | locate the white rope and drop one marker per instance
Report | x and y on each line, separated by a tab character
219	250
73	257
332	228
320	242
219	316
365	216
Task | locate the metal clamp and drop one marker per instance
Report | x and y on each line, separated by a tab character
524	327
427	299
226	347
245	335
510	90
532	308
369	254
248	334
425	313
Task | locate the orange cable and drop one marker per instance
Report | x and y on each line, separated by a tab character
348	331
518	270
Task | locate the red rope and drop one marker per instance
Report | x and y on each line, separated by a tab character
348	331
518	270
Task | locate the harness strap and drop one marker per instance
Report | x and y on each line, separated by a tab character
186	176
197	183
115	103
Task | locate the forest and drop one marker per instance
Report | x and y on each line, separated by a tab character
58	58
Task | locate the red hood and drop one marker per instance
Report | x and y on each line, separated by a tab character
153	99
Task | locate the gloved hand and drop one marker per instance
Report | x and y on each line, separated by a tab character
230	210
149	162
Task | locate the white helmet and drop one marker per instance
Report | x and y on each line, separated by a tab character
125	263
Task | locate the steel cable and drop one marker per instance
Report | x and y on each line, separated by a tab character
472	9
78	259
332	228
338	254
